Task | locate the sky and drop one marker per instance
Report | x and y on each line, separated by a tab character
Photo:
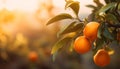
30	5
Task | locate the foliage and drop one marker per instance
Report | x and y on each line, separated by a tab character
107	15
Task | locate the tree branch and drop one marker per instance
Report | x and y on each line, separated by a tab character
114	25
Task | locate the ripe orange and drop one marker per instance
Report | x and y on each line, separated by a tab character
101	58
90	30
82	45
33	56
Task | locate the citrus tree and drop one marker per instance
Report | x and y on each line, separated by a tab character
96	32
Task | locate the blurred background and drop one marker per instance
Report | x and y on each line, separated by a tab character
23	30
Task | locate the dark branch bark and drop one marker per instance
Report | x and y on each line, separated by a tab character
114	25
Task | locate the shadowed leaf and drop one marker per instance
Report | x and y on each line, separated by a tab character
107	1
98	45
67	29
99	31
107	34
111	17
60	43
107	7
73	27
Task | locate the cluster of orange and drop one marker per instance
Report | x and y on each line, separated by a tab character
83	44
33	56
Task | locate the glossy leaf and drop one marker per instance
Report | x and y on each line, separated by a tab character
75	27
67	29
91	6
111	17
67	3
61	42
69	35
71	46
100	31
59	17
107	7
74	5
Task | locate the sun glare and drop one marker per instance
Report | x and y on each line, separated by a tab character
23	5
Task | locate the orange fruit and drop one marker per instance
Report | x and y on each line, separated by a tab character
90	30
101	58
33	56
82	45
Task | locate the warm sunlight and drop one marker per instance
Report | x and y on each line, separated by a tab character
59	34
23	5
24	16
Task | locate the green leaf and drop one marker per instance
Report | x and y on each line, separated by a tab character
100	31
119	7
58	46
99	42
98	3
60	43
71	46
107	7
54	56
107	1
112	18
77	27
59	17
107	34
74	5
98	45
115	0
67	3
67	29
69	35
73	27
91	6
